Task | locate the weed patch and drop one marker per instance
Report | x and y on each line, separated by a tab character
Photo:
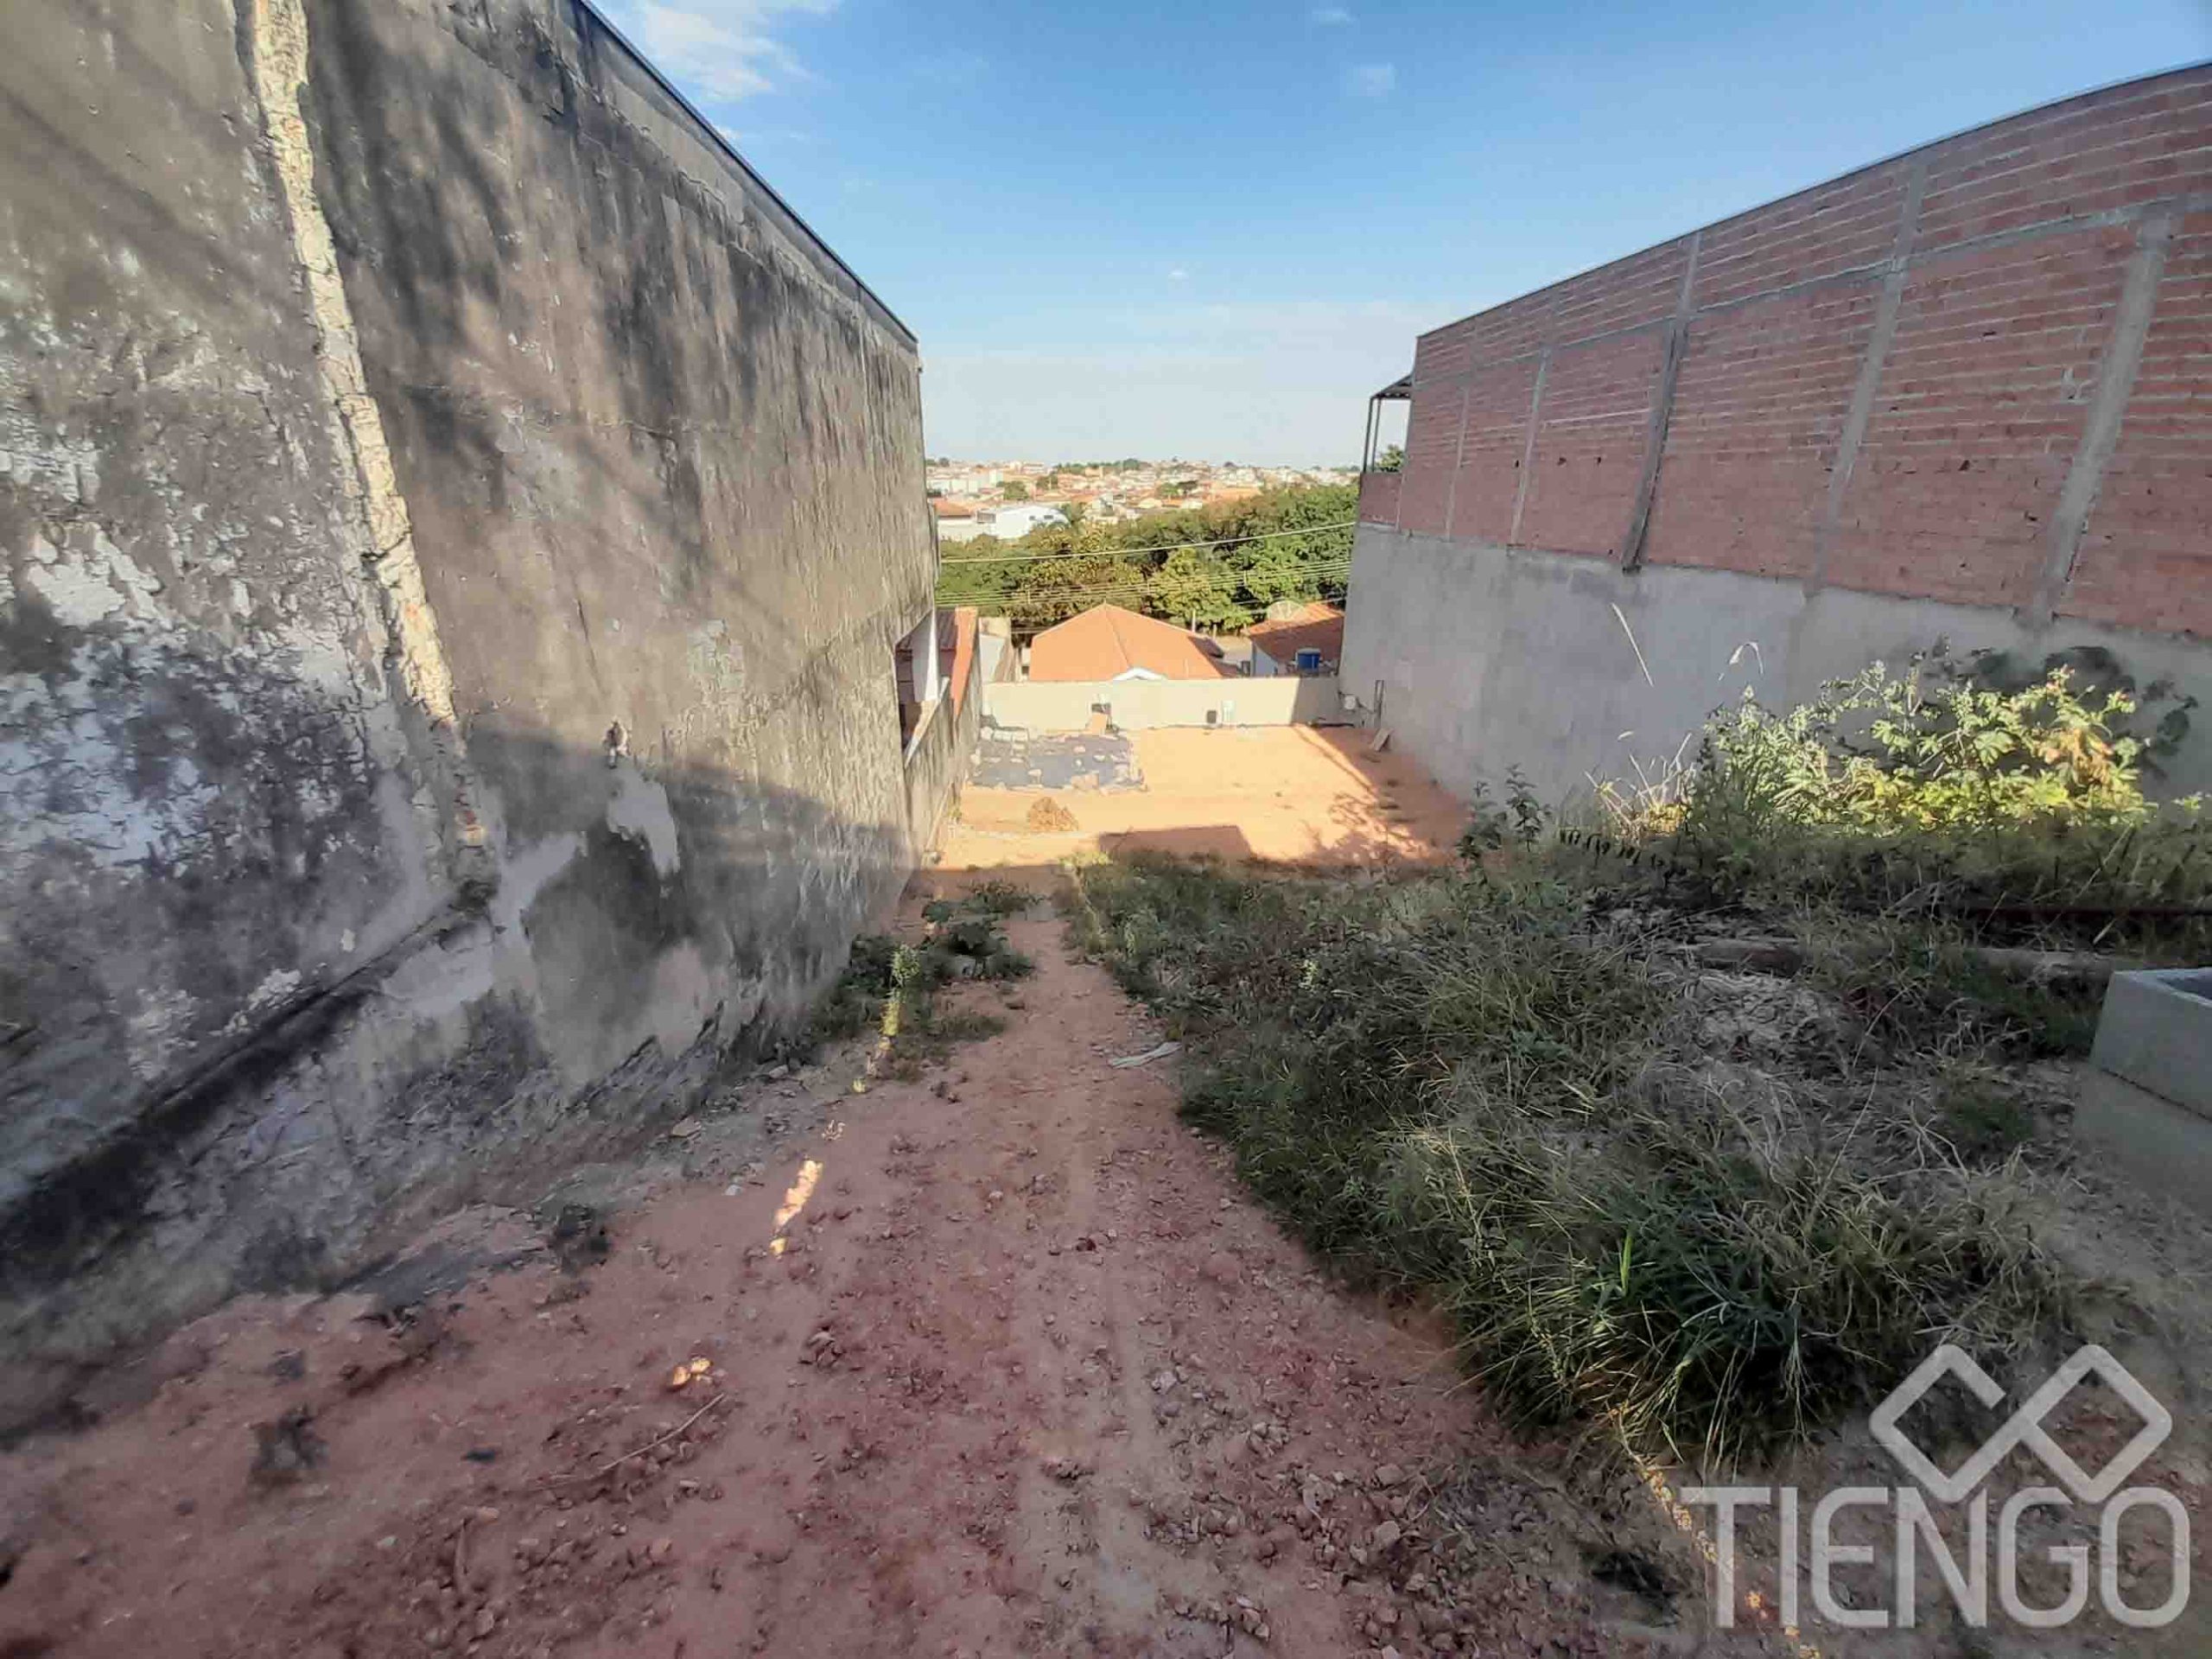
1957	790
1475	1085
891	985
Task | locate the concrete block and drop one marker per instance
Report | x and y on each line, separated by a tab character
2163	1148
2156	1032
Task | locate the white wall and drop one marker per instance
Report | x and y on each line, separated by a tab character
1065	705
1491	659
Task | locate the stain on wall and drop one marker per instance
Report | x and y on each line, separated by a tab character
455	523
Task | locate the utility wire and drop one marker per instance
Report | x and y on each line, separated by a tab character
1177	547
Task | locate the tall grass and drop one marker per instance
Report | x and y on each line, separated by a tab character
1464	1083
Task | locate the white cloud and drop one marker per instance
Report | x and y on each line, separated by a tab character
1330	16
1179	275
720	50
1371	79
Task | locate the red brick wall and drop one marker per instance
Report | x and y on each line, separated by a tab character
1759	408
1494	438
1982	402
1379	498
1590	428
2148	552
1980	373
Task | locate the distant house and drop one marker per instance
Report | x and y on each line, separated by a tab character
955	520
1297	637
1107	643
1017	518
1233	651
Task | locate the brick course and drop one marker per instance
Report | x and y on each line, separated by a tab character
1966	299
2148	550
1590	437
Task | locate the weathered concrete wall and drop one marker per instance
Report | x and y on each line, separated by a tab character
1065	705
938	756
1963	392
453	526
1491	657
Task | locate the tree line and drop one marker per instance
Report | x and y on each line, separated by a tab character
1056	571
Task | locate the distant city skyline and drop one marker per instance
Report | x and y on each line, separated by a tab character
1146	230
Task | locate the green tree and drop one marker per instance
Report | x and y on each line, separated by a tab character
1285	543
1053	589
1392	460
1197	589
1014	490
976	573
1075	513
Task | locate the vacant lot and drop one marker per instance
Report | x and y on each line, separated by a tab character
1290	794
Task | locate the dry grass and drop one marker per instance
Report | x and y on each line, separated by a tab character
1485	1086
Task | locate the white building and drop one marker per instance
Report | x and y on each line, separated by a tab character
1016	519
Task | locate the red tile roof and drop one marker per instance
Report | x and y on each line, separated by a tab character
1316	627
1107	642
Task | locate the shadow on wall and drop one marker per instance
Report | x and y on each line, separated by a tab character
621	356
662	460
672	926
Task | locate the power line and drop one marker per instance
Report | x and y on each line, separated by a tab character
1179	547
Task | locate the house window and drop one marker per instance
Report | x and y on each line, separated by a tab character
1309	662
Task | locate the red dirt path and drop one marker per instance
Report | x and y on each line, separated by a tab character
1025	1374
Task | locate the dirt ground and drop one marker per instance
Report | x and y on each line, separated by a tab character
1293	794
995	1361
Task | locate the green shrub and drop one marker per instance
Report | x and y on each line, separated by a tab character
1945	785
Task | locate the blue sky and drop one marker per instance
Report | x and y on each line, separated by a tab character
1211	229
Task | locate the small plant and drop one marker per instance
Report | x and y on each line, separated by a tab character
1487	824
1984	1121
1522	821
889	985
1530	815
997	898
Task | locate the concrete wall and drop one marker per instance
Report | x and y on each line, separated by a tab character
454	523
1491	657
938	757
1973	375
1065	705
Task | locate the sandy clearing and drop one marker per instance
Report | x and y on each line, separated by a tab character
1291	794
